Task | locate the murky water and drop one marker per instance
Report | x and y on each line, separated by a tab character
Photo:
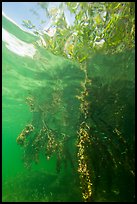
41	89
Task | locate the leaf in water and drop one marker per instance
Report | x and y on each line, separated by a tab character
28	24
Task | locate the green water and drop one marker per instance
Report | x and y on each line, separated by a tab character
28	69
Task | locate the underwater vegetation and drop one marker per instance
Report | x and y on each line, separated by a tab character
96	143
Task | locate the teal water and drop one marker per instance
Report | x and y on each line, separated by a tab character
46	173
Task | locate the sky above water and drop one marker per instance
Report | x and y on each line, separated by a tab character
19	11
